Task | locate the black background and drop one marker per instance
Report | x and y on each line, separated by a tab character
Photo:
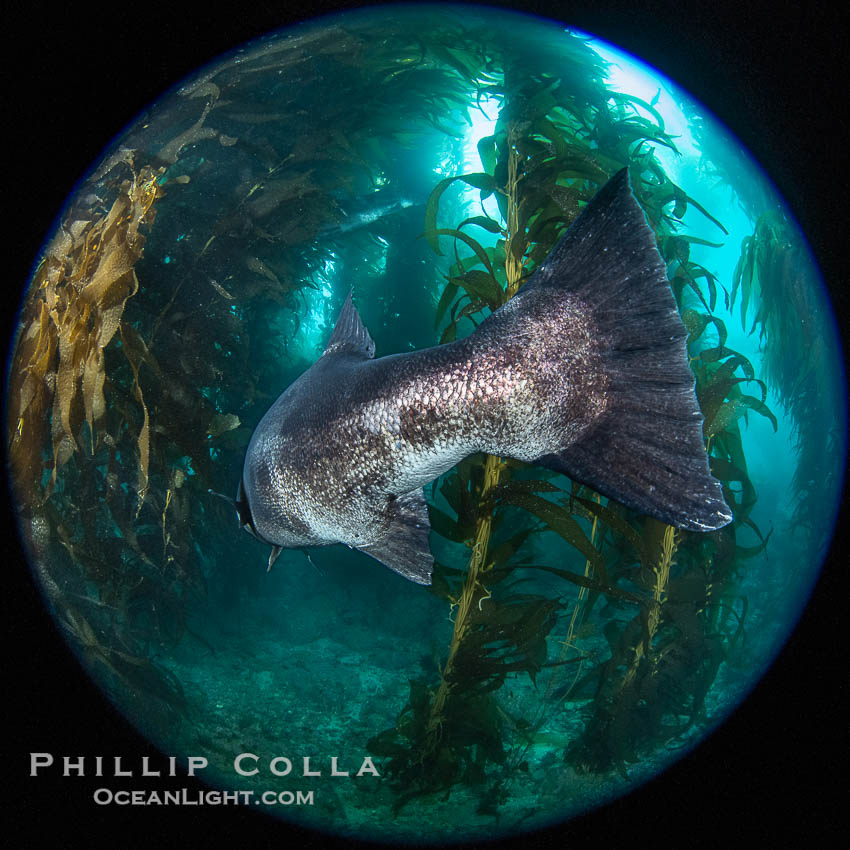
77	75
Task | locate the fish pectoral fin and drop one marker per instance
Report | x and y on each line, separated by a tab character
276	550
404	548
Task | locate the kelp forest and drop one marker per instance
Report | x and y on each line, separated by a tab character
199	269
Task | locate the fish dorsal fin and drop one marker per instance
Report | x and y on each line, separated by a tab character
404	548
350	334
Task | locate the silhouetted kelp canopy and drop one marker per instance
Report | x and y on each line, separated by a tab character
199	266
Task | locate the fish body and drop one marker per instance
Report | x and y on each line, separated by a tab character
378	206
366	217
584	371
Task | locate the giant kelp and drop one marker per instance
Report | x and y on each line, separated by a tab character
163	308
670	614
60	396
80	290
616	620
775	288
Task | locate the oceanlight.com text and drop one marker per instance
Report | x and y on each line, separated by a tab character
187	797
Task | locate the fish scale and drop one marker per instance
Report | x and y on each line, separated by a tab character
584	371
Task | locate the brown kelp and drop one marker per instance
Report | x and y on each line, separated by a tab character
79	293
642	666
131	399
61	395
163	307
775	288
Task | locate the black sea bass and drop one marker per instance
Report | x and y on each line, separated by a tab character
584	371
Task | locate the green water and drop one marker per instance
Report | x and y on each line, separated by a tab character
289	173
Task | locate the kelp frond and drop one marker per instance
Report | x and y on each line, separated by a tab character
77	299
666	619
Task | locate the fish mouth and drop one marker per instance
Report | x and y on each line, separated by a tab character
243	513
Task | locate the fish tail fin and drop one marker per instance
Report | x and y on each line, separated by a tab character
645	448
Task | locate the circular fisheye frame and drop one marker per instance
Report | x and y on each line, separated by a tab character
516	370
